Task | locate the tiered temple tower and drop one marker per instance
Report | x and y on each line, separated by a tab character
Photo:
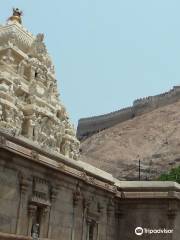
29	101
44	193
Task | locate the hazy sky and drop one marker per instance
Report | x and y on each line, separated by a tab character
106	52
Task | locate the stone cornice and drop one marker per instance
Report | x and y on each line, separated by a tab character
84	172
22	37
57	162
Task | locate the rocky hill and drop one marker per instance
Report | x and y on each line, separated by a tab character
154	138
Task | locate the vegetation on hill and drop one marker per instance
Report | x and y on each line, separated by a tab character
172	175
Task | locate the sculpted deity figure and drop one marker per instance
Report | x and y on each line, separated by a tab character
21	67
18	122
70	129
59	139
36	131
17	12
75	150
51	139
8	58
49	92
16	15
44	123
59	133
33	127
31	124
38	48
9	113
66	148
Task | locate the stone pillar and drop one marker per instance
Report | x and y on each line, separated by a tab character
119	215
97	230
110	221
91	230
86	204
54	193
98	221
43	220
172	213
32	213
24	184
77	197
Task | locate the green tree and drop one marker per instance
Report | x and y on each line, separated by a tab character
172	175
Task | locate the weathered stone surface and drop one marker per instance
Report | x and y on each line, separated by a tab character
66	205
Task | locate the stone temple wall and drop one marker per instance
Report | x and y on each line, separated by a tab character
47	196
30	105
92	125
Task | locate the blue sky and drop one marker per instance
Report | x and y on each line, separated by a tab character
106	53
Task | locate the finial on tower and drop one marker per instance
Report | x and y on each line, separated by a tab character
16	17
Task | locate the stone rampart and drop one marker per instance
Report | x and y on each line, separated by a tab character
92	125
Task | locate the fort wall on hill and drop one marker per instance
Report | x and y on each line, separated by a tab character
91	125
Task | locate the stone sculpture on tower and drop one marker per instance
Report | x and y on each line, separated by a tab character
30	108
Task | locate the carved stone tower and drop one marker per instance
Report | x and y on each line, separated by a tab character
30	108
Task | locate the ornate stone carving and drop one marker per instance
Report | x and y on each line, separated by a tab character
21	67
29	99
7	58
16	15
